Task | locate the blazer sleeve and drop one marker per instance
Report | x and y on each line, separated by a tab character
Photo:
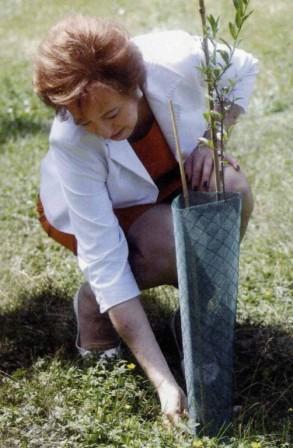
101	244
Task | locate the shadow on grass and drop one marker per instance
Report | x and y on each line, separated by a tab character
263	375
43	325
263	372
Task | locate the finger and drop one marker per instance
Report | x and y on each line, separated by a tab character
197	171
185	405
206	172
166	422
185	413
180	412
232	161
175	418
188	168
172	419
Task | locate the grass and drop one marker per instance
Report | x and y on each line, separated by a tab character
48	397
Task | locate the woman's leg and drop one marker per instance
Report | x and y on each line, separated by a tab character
95	330
151	239
152	258
152	248
235	181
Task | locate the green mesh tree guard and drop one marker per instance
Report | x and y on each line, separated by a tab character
207	237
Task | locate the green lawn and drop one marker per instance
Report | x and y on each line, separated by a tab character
48	398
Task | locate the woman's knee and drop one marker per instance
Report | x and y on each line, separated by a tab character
236	181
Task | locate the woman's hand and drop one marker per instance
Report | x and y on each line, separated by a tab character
199	167
173	402
131	323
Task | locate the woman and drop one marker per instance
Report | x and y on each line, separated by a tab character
111	173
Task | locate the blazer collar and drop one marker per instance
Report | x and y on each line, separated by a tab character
122	153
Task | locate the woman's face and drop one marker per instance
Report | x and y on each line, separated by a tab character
106	113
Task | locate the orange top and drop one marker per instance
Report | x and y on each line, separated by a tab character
159	161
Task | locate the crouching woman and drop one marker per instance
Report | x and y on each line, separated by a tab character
111	173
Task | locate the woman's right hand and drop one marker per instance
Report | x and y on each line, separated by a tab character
173	402
131	323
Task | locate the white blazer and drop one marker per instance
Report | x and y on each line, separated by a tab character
83	176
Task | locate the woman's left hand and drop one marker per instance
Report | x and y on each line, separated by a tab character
199	167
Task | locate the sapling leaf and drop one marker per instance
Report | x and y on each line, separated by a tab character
210	19
225	91
229	131
222	66
225	55
232	30
216	115
207	116
232	83
236	3
217	72
213	59
237	98
203	68
238	19
218	23
241	7
206	142
213	24
225	136
226	43
213	43
247	15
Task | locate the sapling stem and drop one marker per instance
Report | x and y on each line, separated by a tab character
222	111
210	86
213	72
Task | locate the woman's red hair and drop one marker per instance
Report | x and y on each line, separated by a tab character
81	50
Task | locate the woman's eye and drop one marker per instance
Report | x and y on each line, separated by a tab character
85	124
112	115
